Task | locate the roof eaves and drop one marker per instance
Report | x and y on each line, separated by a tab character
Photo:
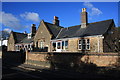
109	26
47	28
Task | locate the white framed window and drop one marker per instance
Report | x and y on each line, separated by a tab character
41	44
60	45
66	44
84	44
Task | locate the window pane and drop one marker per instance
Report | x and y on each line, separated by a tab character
41	44
80	47
62	44
83	47
66	44
88	41
83	41
58	45
88	47
79	41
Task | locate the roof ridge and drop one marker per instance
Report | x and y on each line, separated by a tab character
53	24
19	33
59	32
100	21
73	26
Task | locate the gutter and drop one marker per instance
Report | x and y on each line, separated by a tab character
78	37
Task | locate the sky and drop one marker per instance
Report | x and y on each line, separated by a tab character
18	16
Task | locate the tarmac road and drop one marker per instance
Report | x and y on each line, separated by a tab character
23	73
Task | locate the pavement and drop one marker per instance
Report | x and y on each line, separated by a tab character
31	66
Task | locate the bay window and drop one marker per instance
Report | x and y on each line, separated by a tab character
60	45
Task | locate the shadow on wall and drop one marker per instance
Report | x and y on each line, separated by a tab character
36	49
70	62
13	58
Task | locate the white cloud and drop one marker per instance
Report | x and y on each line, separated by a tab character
7	30
96	11
88	5
31	16
9	20
93	10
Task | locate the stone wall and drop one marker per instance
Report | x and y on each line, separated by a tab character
11	43
96	44
73	45
101	59
66	58
37	59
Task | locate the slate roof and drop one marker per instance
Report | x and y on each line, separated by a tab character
19	36
54	29
96	28
26	40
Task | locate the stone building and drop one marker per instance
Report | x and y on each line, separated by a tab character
99	36
24	41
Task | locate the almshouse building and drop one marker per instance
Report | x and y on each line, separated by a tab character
99	36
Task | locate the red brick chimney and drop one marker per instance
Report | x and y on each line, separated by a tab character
56	21
84	18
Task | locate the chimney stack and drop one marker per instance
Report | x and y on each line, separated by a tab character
33	31
84	19
56	21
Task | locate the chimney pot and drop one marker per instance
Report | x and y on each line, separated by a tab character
33	25
55	17
56	21
83	9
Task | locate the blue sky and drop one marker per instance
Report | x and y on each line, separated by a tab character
18	16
